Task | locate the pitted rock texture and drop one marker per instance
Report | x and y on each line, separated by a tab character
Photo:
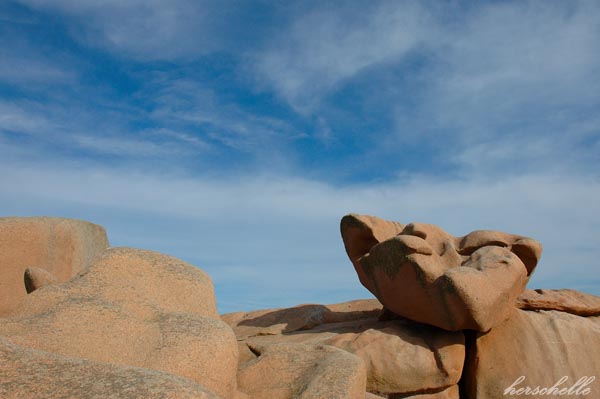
401	357
542	346
302	371
133	307
27	373
429	276
61	247
448	393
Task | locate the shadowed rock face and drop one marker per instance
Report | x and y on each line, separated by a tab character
401	357
36	278
427	275
55	249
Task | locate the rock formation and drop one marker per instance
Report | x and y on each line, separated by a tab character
565	300
28	373
303	371
133	307
427	275
81	320
401	357
60	247
541	346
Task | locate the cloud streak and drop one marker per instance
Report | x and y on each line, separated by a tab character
284	230
451	79
330	44
148	30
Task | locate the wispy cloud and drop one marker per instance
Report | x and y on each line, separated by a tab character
503	87
515	61
332	43
146	29
69	128
27	71
24	65
507	47
18	120
188	102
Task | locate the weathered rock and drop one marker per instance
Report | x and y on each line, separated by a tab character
36	278
62	247
455	283
448	393
401	356
32	374
527	249
133	307
565	300
425	358
542	347
361	232
298	318
290	371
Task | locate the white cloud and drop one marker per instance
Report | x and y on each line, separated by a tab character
119	145
330	44
144	29
18	120
190	103
27	72
23	65
494	87
477	71
514	61
69	127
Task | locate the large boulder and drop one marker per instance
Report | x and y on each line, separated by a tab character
60	247
534	349
401	357
133	307
302	371
27	373
427	275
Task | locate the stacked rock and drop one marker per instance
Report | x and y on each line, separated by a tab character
452	319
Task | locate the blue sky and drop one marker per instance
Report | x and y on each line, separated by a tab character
236	135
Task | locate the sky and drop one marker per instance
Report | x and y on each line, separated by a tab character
235	135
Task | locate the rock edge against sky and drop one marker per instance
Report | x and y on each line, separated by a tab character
86	320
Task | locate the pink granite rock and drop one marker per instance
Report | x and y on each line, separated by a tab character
27	373
427	275
564	300
61	247
401	357
539	348
136	308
